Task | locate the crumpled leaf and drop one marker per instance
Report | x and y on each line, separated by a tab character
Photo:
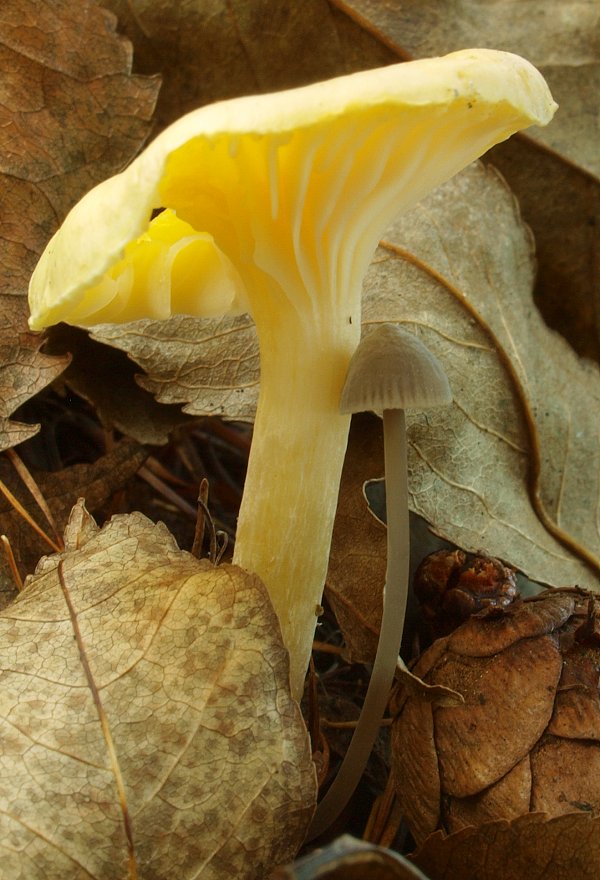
357	560
71	114
146	716
209	50
560	199
531	846
350	859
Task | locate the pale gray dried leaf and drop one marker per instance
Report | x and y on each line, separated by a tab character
561	37
146	716
512	466
209	364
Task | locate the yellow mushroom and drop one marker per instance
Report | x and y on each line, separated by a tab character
275	206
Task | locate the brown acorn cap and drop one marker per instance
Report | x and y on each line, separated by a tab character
392	369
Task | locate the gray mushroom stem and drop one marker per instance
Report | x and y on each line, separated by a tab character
395	595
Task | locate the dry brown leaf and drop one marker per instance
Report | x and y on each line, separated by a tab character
513	746
529	848
146	716
508	702
208	51
71	113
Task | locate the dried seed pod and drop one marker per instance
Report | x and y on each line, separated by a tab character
526	739
452	585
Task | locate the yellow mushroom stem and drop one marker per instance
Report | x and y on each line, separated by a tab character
290	494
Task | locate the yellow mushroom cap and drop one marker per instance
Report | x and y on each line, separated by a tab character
295	185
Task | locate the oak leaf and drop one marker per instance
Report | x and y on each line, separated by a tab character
147	725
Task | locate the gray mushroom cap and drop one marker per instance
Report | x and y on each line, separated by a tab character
393	369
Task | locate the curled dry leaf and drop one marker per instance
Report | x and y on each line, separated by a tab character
71	113
350	859
211	365
531	846
147	723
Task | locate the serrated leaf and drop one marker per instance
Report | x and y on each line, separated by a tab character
71	113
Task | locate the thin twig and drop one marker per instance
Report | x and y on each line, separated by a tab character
24	473
12	563
166	491
14	502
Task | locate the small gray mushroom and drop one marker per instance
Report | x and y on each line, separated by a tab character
391	371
